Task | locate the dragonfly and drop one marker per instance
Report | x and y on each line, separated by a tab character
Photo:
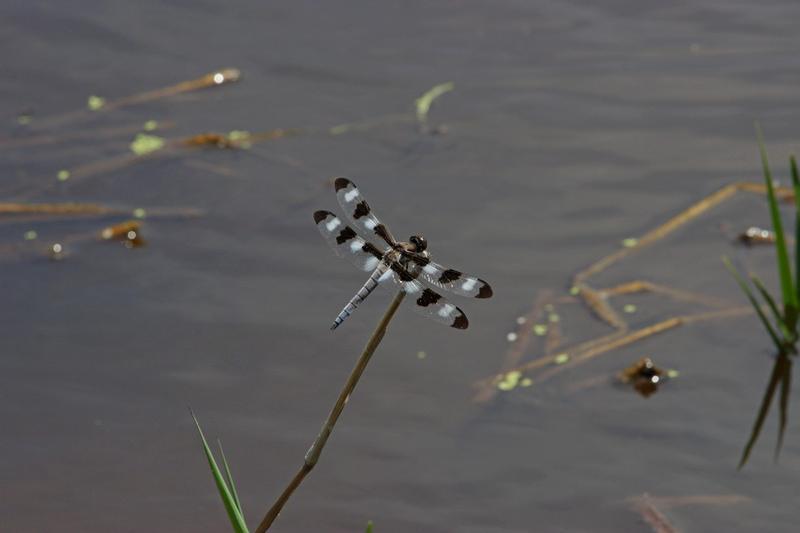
407	263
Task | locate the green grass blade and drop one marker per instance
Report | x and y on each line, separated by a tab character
769	393
796	187
753	301
771	303
786	389
788	293
369	527
229	479
237	521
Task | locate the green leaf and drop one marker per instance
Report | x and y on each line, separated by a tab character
777	374
796	187
771	303
788	293
229	479
369	527
237	521
752	298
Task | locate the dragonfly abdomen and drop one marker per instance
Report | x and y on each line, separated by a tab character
360	296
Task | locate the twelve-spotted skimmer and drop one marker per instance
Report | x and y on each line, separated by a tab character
403	262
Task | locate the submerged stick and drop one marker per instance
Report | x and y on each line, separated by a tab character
313	454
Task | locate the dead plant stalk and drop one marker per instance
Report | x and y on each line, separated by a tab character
313	454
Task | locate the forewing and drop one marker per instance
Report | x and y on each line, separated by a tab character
359	211
451	280
346	242
428	302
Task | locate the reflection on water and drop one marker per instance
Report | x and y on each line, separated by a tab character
781	376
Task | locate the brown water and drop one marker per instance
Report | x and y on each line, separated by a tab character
572	127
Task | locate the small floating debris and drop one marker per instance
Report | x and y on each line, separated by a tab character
629	308
521	320
150	125
31	235
57	252
63	175
511	337
25	117
753	235
645	376
421	355
561	359
630	242
126	232
212	140
539	330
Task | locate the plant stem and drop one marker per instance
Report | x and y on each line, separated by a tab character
313	454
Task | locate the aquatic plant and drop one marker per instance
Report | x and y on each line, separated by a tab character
784	331
225	485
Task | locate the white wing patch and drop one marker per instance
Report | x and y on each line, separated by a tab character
446	310
333	224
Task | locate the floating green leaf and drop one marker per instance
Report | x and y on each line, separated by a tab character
424	102
95	103
63	175
145	144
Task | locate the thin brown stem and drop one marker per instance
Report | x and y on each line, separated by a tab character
313	454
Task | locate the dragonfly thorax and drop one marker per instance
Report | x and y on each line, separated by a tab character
419	242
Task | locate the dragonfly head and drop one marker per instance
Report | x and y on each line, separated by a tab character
419	243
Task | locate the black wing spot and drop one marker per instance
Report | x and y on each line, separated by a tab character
345	235
427	298
341	183
319	216
362	210
371	249
461	321
486	290
401	272
380	231
449	276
